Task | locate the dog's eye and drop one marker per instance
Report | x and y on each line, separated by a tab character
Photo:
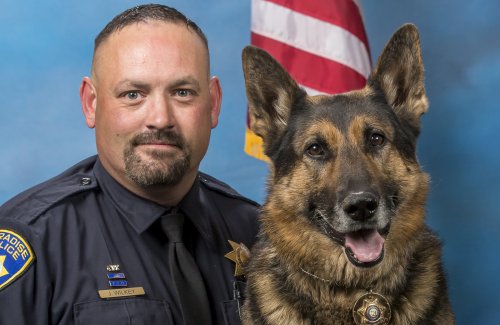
376	140
315	150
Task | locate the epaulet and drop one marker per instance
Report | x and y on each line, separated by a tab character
222	188
33	202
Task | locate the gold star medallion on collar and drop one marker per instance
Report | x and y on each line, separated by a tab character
371	308
239	255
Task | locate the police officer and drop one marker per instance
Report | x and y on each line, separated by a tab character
90	246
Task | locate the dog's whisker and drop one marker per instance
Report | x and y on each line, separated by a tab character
323	218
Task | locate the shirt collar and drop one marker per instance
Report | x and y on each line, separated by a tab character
139	212
142	213
196	206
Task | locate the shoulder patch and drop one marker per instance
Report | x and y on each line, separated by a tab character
16	256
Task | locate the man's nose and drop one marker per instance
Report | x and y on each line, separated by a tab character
160	114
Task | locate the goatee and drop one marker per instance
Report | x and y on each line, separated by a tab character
162	168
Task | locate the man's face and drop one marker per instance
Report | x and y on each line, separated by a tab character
154	103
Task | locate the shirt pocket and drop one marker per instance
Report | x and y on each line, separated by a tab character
231	312
130	311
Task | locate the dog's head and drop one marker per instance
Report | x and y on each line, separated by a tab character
345	164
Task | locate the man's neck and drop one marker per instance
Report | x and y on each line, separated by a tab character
166	195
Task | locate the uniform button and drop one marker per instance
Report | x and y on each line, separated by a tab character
85	181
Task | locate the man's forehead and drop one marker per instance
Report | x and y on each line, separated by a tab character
147	27
151	31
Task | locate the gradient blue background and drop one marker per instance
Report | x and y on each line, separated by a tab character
46	48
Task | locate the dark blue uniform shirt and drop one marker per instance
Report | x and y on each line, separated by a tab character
82	225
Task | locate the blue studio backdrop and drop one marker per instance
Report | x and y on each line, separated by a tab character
46	49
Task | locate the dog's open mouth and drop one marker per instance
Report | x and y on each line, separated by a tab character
364	248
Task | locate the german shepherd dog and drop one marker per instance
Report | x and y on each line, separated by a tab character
343	238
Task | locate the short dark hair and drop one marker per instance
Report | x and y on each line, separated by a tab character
143	13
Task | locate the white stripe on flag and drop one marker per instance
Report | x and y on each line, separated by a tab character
309	34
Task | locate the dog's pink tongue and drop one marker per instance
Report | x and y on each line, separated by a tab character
366	245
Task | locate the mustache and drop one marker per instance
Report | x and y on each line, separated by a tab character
160	136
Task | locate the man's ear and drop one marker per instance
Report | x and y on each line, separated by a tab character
215	100
399	73
88	98
271	93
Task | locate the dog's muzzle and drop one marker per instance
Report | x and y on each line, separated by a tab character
360	224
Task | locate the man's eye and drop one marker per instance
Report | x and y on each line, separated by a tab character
183	92
132	95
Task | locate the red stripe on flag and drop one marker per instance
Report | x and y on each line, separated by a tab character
343	13
310	70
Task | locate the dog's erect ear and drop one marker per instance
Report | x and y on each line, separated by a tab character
400	75
271	92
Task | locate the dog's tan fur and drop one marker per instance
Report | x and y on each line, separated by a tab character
299	273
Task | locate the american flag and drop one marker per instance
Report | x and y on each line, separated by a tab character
322	44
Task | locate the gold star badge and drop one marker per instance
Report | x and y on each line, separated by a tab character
3	270
239	255
371	308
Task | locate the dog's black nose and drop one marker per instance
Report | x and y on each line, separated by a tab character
360	206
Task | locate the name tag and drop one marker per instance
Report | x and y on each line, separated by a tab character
125	292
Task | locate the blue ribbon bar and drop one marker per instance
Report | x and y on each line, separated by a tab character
116	275
118	283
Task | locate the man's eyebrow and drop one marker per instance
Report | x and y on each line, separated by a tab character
136	84
180	82
185	81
